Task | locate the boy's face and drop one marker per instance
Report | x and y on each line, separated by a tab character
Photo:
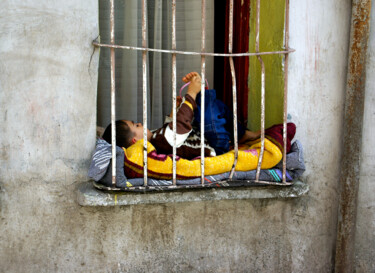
137	129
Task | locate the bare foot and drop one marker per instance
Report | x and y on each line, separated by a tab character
195	83
188	77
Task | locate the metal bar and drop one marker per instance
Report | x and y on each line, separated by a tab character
353	123
192	52
172	187
113	94
144	72
203	74
285	108
262	91
234	90
174	89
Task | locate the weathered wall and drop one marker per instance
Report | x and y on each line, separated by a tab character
319	31
365	233
47	97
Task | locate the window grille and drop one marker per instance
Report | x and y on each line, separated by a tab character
203	54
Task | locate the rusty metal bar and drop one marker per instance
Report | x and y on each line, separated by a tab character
95	43
353	123
221	183
286	65
113	94
203	74
263	92
174	84
172	187
144	72
234	90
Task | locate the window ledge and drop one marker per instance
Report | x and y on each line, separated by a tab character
89	196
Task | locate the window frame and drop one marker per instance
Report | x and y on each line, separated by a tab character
203	54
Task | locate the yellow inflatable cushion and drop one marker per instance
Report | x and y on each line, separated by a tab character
159	166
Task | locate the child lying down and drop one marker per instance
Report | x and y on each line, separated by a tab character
218	126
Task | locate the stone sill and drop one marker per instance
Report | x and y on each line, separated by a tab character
89	196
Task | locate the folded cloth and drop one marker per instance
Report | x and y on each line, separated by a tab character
101	163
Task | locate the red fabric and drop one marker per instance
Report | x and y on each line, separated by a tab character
275	134
241	31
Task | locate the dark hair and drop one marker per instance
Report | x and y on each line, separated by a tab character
123	134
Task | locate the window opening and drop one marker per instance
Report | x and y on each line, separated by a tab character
203	55
241	43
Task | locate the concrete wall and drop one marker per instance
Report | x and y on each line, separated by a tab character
48	102
319	31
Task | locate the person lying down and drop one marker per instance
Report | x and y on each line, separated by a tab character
218	126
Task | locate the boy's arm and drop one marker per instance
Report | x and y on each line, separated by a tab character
170	117
184	116
184	119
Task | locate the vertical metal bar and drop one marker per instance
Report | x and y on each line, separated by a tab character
234	89
262	91
286	64
144	71
174	88
203	73
352	145
113	94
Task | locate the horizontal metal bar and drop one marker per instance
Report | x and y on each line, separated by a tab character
290	50
194	186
